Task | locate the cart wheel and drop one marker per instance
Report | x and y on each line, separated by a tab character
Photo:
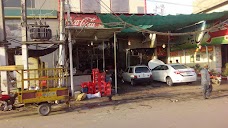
44	109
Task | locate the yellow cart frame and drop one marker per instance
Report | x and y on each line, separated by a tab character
44	94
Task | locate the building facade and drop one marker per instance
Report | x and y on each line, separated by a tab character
108	6
211	47
204	6
37	10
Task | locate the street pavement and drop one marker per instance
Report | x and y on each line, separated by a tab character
144	106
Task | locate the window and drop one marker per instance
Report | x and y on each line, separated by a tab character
158	67
164	67
142	70
140	10
179	66
131	70
17	3
120	6
91	6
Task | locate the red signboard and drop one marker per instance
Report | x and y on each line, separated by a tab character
209	48
84	20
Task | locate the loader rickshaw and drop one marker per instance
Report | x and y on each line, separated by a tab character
41	87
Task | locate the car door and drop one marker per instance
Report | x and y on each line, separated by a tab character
130	74
163	73
124	75
155	72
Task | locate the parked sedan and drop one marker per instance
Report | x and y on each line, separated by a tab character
137	74
174	73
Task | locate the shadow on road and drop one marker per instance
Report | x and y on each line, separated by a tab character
127	95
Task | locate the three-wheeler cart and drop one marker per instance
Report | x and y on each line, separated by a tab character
42	87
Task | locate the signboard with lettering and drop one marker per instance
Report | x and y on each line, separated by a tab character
84	20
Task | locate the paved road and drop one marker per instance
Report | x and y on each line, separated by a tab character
166	107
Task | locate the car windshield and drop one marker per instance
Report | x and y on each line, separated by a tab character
179	66
141	70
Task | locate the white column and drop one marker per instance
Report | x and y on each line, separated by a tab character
115	62
24	39
62	34
69	43
3	52
4	77
127	50
71	63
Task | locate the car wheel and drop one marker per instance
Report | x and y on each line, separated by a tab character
188	83
132	83
169	81
149	83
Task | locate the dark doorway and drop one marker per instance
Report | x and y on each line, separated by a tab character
224	51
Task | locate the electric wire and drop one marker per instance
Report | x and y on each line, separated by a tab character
161	33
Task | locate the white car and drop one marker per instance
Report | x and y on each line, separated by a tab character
137	74
174	73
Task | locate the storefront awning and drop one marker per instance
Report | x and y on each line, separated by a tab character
157	22
90	33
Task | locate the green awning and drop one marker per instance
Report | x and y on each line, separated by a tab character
157	22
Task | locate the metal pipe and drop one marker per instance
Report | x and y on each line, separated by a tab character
168	48
126	55
103	57
62	34
115	62
71	63
70	48
24	39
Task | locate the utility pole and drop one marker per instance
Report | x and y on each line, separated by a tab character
24	39
115	41
62	33
3	51
70	51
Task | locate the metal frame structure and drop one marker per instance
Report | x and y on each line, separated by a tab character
49	89
88	34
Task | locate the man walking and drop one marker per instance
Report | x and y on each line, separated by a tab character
206	82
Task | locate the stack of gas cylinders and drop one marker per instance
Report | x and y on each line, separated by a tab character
98	84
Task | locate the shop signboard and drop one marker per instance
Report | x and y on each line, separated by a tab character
209	48
216	36
84	20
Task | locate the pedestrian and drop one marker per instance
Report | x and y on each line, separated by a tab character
170	61
177	61
206	82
